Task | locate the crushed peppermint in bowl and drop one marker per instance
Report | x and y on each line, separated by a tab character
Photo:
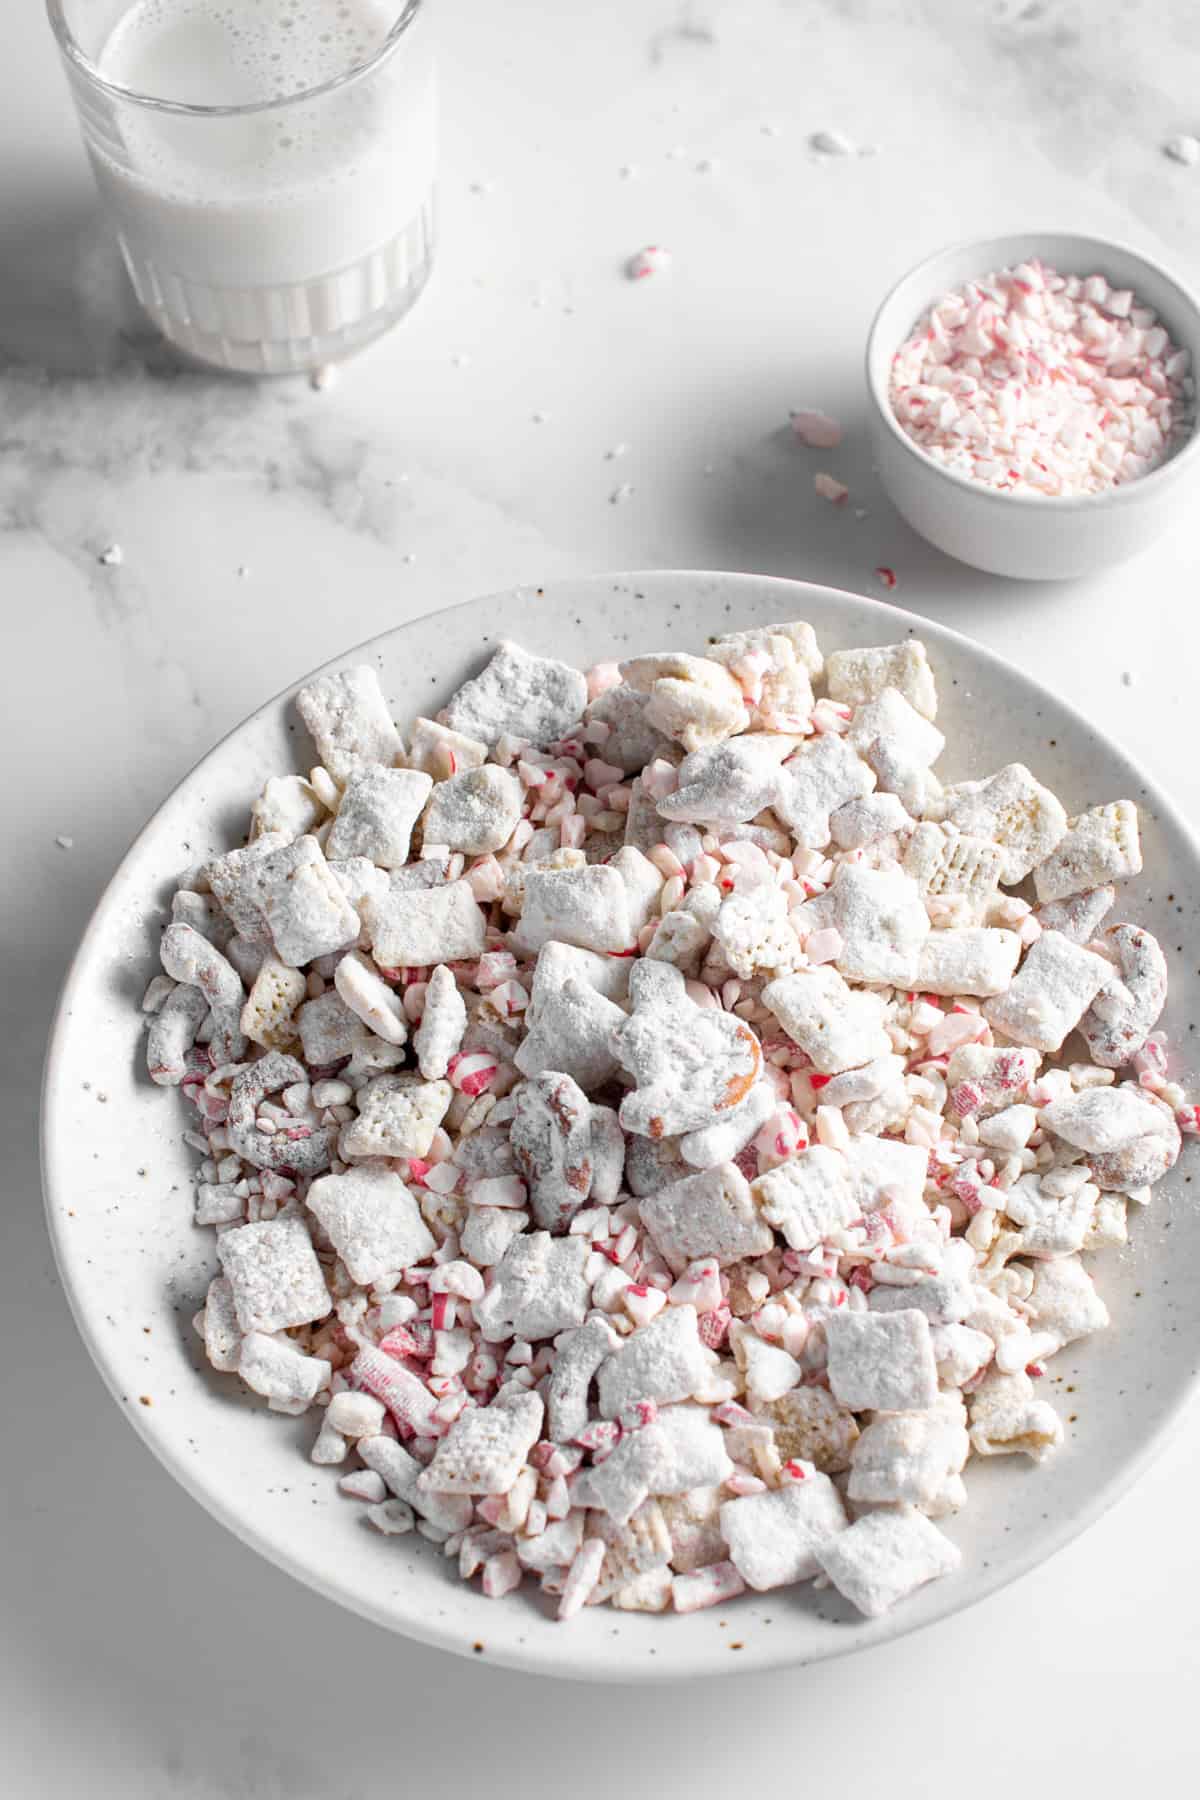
1033	382
1051	373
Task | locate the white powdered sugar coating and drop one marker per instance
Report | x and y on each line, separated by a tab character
1033	382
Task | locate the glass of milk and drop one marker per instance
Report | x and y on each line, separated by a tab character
268	164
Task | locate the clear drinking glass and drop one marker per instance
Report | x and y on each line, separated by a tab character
270	221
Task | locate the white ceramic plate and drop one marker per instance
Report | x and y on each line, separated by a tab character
118	1179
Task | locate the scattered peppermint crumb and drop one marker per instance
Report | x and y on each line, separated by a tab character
832	143
65	843
481	187
1183	148
540	418
243	570
112	557
830	488
460	359
653	260
1126	678
706	165
628	171
323	378
885	577
860	512
616	451
676	153
816	429
620	494
769	130
410	556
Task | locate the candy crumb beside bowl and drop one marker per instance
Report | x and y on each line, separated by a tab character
1028	535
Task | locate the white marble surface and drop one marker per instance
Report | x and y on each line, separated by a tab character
142	1650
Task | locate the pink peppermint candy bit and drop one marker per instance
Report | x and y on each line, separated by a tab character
713	1326
600	1437
783	1135
954	1030
739	1483
495	968
640	1414
501	1574
509	999
706	1587
363	1484
1150	1063
816	429
603	675
886	577
642	1303
486	881
403	1393
659	779
653	260
698	1286
824	946
583	1576
472	1072
399	1342
829	488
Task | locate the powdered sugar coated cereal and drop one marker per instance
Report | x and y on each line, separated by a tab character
349	721
681	1122
773	1536
530	697
884	1557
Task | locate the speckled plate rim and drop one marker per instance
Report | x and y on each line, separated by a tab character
519	1635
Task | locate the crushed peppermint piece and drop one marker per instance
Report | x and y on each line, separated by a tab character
833	143
1183	148
653	260
816	429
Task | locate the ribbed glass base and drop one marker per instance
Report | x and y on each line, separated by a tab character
293	327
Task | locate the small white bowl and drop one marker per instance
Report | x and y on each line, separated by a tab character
1029	536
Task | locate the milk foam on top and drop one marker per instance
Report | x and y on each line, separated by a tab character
221	53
